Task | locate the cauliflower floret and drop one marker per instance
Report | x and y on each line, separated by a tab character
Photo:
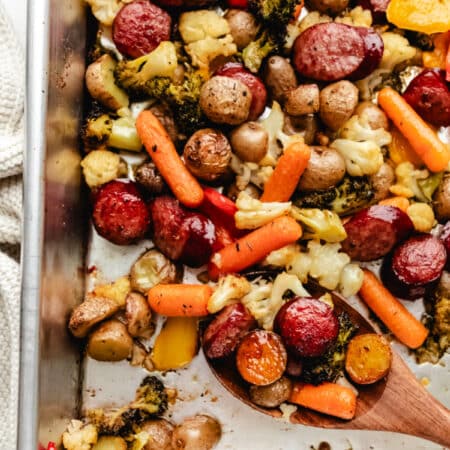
105	10
361	158
79	436
357	17
351	280
282	257
300	266
252	213
358	129
206	35
247	172
320	224
313	18
265	300
117	291
327	263
422	216
396	50
230	289
101	166
406	181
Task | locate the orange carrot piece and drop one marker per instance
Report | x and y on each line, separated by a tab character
399	202
298	10
424	141
163	153
284	179
176	300
406	328
254	246
328	398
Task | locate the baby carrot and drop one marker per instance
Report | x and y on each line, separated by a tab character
175	300
284	179
163	153
406	328
254	246
328	398
400	202
422	138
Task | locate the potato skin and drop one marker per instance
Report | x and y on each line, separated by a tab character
93	310
138	315
196	433
325	169
382	181
225	100
279	77
376	118
272	395
110	342
368	358
332	7
441	200
243	27
110	443
250	141
304	99
337	103
160	432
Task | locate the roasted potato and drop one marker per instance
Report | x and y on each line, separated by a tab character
93	310
117	290
332	7
225	100
153	268
325	169
382	181
207	154
279	77
197	433
165	116
376	118
337	103
250	141
441	200
272	395
138	315
243	27
101	83
368	358
110	443
110	342
302	100
147	176
160	432
307	126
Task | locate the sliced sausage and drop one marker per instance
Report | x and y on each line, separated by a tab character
139	27
374	48
120	213
329	51
415	266
374	231
224	333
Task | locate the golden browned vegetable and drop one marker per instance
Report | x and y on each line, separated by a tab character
243	27
250	141
272	395
110	443
110	342
176	344
376	118
117	290
442	200
92	311
382	181
138	315
304	99
279	77
160	434
368	358
197	433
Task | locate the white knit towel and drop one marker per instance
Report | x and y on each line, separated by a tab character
12	83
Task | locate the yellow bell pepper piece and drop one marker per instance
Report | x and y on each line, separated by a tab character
176	344
426	16
436	58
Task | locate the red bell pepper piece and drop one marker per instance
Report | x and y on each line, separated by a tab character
50	446
447	65
242	4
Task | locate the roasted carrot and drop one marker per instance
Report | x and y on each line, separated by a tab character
174	300
328	398
254	246
298	10
424	141
284	179
406	328
399	202
163	153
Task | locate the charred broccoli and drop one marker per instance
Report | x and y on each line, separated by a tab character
330	366
274	15
150	402
348	197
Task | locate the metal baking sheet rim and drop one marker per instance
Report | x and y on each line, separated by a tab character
244	428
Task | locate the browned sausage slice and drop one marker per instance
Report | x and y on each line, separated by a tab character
415	266
328	51
373	232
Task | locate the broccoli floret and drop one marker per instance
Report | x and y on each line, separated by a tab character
274	16
150	402
330	366
349	196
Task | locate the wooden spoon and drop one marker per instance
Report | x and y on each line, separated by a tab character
398	403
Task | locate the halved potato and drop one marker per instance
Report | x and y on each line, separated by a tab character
110	443
101	83
368	358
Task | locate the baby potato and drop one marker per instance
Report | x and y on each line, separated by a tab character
332	7
110	342
279	77
160	432
368	358
250	141
376	118
243	27
197	433
139	316
302	100
382	181
110	443
272	395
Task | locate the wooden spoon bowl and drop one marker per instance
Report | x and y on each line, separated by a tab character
397	403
